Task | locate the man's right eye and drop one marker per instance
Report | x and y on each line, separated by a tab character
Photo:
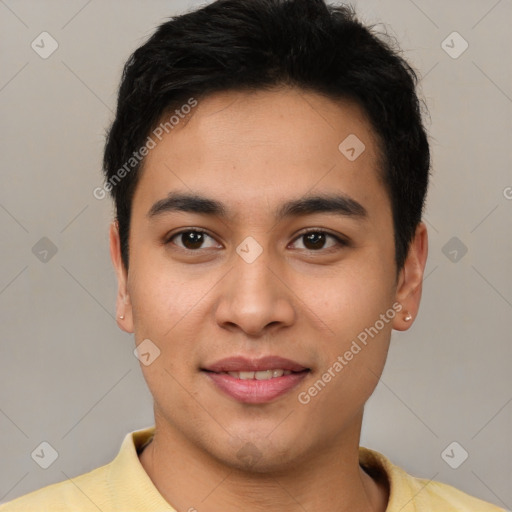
191	239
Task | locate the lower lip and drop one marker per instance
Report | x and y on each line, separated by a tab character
252	391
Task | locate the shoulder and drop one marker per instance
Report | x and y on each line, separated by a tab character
122	484
411	494
85	493
433	495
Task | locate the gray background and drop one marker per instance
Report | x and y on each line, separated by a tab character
69	376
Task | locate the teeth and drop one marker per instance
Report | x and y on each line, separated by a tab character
260	375
263	375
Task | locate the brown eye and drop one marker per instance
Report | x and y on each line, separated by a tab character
191	239
316	240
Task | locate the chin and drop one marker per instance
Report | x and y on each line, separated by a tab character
259	455
259	463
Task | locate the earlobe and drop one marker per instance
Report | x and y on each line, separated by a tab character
124	315
410	281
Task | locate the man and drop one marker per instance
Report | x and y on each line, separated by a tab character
269	169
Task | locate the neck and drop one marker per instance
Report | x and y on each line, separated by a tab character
331	479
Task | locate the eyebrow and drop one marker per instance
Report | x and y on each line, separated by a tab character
339	204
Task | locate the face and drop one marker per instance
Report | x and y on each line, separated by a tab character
282	264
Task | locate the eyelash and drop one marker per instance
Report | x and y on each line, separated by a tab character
340	242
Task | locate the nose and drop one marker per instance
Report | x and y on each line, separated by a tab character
255	298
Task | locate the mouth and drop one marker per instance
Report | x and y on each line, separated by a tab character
259	375
255	381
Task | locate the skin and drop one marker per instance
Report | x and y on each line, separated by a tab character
253	152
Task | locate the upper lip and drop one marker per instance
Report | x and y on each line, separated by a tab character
245	364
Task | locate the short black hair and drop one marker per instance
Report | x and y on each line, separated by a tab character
254	45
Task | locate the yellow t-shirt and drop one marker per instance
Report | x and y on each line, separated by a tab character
124	486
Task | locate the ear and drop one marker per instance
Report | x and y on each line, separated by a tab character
123	302
410	279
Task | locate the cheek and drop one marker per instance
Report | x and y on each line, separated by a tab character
350	298
159	295
356	306
156	283
170	306
351	359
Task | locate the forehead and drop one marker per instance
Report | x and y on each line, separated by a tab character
260	145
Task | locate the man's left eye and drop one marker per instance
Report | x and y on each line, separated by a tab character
316	240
